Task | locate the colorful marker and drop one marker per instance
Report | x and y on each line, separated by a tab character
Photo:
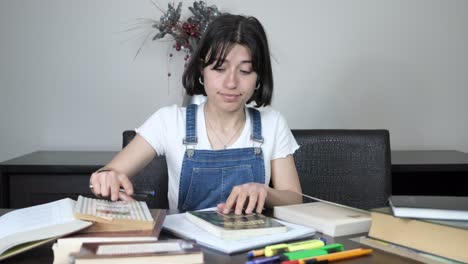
309	253
267	260
255	253
345	254
281	248
332	257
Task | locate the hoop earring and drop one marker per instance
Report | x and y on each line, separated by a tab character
258	86
200	81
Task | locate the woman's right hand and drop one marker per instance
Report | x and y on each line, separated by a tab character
108	182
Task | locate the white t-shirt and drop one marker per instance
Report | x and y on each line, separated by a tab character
165	130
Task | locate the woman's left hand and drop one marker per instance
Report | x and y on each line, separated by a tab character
252	193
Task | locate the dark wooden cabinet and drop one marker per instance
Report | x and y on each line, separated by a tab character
46	176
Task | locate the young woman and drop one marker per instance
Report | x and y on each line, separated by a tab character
221	152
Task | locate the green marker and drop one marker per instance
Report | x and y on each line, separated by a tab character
309	253
302	245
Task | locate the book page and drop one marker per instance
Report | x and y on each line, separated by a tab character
36	217
140	248
113	210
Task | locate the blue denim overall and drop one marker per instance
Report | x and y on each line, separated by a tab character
208	176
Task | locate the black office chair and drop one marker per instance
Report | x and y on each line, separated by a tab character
152	177
350	167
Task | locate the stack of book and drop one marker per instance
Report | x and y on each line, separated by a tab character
94	231
421	223
116	222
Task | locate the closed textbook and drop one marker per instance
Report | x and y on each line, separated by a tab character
330	219
430	207
232	226
448	239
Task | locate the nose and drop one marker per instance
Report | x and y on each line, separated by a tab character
231	80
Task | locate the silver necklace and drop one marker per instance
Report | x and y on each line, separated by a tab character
225	145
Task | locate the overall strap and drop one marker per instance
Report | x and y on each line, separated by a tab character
256	125
191	125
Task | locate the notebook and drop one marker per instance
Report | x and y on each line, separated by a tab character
179	225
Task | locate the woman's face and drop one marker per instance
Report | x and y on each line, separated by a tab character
231	85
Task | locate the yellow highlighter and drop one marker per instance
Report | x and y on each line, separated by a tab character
302	245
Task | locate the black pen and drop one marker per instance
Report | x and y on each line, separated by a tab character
136	192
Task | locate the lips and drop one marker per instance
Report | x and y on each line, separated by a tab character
230	97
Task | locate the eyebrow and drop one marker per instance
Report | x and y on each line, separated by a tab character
244	61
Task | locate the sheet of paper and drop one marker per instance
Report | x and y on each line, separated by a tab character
35	217
181	226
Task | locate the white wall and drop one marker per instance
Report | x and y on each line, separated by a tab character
68	80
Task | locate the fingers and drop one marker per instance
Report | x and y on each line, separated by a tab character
231	200
254	194
253	197
241	198
127	185
94	184
115	190
220	207
125	197
261	201
108	183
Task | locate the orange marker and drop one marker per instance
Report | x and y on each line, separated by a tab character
255	253
339	255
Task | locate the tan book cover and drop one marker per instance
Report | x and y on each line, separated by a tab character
327	218
167	251
114	215
448	239
403	251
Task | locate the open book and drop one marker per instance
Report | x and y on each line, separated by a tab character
114	216
23	229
